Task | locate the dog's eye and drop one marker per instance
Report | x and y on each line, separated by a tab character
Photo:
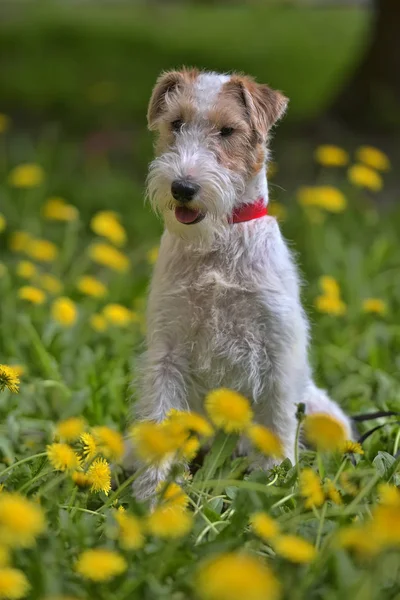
226	131
177	125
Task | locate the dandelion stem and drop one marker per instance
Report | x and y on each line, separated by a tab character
296	448
121	488
340	470
28	484
79	509
283	500
22	461
396	443
361	494
321	526
320	463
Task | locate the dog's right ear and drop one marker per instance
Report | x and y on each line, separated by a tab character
166	83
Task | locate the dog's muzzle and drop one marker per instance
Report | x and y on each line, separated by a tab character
184	190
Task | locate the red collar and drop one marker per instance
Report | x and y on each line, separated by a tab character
248	212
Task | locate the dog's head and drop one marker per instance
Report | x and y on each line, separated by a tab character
212	141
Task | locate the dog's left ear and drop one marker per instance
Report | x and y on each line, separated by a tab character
264	106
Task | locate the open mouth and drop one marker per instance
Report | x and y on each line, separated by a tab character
188	216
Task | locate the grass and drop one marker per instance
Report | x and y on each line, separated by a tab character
71	369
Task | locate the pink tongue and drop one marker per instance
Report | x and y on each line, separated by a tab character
186	215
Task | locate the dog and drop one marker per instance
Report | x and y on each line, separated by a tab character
224	306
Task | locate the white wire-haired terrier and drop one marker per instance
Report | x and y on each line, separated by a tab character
224	307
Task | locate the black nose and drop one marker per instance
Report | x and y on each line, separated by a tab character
184	190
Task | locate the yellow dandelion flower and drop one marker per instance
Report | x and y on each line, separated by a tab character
350	447
118	315
100	564
110	442
62	457
326	197
19	241
21	521
189	449
4	555
32	294
389	494
295	549
106	224
332	493
70	429
130	535
385	525
331	305
236	576
3	223
42	250
64	312
375	306
13	584
26	175
50	283
5	122
362	176
99	475
26	269
228	410
191	422
264	526
80	479
56	209
152	442
152	255
90	449
90	286
172	495
358	540
331	156
374	158
347	485
324	431
169	522
277	210
265	440
98	323
108	256
9	378
329	285
311	488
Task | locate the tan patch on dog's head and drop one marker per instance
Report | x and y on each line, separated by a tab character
168	86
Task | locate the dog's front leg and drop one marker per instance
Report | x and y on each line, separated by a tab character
161	387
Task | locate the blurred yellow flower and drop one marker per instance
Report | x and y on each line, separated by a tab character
324	431
332	493
265	440
372	157
13	584
19	241
62	457
100	564
329	285
264	526
108	256
9	378
228	410
375	306
331	156
118	315
5	122
350	447
98	322
106	224
70	429
359	540
236	576
389	495
26	269
189	449
42	250
295	549
347	484
50	283
99	475
130	535
363	176
172	495
169	522
64	312
21	521
89	446
152	443
4	555
109	442
327	197
331	305
80	479
191	422
31	294
311	488
56	209
26	175
275	209
152	255
91	286
3	223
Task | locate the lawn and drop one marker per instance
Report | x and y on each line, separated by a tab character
73	283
